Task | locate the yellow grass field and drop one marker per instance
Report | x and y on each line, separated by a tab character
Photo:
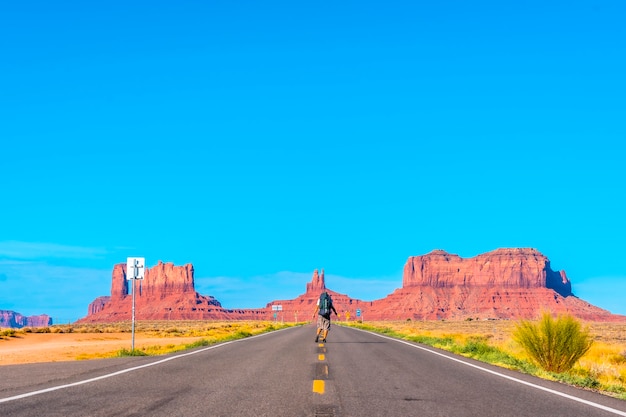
81	342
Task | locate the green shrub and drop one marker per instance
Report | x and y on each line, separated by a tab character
198	343
579	381
477	347
439	342
131	352
554	344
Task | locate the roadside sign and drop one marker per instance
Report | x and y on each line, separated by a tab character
358	312
277	307
135	268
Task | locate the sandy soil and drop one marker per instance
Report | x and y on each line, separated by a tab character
56	347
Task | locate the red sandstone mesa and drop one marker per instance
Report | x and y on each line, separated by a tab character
167	292
502	284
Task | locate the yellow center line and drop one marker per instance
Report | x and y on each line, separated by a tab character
318	386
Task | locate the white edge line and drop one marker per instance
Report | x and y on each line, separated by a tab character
530	384
123	371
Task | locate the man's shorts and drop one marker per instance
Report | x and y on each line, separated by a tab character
323	322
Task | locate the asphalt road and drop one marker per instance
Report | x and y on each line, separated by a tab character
285	373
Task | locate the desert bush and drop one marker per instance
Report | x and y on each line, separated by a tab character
198	343
554	344
240	334
477	346
617	359
8	333
64	328
585	381
131	352
42	330
172	330
439	342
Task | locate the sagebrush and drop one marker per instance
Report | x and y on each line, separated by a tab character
554	344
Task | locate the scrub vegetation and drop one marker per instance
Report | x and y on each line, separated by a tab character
591	356
554	345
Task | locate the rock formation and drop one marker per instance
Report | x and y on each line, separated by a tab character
302	307
167	292
503	268
11	319
502	284
317	284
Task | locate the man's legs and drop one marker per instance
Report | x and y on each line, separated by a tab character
319	328
325	327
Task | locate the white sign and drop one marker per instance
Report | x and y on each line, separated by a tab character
277	308
135	268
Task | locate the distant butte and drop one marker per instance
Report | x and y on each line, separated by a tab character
511	283
12	319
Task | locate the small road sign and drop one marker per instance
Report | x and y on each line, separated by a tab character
135	268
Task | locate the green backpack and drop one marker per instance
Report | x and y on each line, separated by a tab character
325	303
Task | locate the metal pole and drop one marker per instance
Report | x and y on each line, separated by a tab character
133	320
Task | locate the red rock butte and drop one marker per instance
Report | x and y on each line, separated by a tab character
502	284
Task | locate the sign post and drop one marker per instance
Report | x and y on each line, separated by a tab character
277	308
135	269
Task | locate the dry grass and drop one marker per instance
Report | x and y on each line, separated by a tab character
93	341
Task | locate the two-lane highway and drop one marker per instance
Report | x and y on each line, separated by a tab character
286	373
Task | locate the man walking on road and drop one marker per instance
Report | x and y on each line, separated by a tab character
322	309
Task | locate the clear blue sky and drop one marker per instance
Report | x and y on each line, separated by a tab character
262	140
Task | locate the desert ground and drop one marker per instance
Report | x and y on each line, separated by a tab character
57	347
92	341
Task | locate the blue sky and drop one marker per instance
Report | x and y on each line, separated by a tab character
262	140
